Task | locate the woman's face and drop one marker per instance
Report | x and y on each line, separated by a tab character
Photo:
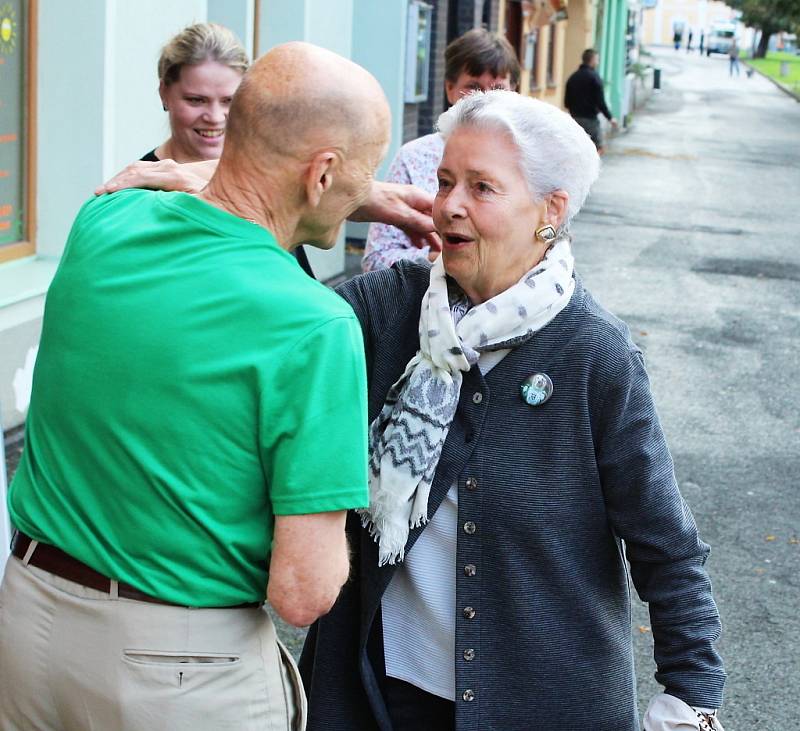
467	84
198	104
485	213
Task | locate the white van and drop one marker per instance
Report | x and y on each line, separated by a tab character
721	38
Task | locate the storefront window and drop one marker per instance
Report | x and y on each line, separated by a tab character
532	56
418	51
16	214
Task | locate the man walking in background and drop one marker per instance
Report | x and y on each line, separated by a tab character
584	98
733	55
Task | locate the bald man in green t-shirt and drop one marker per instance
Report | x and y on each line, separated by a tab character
197	428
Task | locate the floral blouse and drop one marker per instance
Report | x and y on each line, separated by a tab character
416	162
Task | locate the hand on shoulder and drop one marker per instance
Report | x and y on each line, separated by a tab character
189	177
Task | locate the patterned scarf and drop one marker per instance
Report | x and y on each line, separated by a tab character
406	438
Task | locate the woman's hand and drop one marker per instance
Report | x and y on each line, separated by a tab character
189	177
404	206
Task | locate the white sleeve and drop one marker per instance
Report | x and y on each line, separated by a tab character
668	713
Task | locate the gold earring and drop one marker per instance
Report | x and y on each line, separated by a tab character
546	234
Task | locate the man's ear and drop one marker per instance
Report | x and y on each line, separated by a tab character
319	176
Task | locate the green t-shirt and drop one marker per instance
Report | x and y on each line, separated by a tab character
192	382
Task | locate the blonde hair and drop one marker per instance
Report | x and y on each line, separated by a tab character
198	43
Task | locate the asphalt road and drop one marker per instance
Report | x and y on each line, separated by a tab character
692	235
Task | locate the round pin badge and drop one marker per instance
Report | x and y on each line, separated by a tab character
536	389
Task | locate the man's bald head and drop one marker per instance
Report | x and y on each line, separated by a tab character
299	98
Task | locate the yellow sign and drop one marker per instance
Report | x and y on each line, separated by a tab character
8	29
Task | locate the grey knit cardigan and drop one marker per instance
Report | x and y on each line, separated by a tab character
559	494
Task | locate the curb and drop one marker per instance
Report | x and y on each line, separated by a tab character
794	96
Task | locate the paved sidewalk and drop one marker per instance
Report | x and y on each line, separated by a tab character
691	235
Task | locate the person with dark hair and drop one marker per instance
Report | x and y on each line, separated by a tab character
584	98
476	61
733	56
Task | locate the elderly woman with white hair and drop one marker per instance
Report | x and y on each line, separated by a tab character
514	451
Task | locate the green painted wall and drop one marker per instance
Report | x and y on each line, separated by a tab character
611	24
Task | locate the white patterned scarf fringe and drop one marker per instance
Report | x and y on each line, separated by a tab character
406	438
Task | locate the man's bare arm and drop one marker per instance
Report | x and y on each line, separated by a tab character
309	565
404	206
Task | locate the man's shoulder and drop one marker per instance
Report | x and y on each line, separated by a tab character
101	206
296	298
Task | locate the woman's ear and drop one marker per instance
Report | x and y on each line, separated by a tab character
557	206
162	92
319	176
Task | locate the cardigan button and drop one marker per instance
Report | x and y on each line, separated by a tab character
469	654
468	612
477	397
470	528
470	570
471	484
468	695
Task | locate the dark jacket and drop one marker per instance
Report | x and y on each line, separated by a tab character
584	94
554	490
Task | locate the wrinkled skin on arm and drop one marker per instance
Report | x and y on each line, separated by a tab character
405	206
309	565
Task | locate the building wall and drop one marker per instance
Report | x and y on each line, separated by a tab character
87	130
326	23
451	18
430	110
578	34
379	44
613	25
588	24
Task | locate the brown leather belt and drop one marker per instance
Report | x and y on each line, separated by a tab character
52	559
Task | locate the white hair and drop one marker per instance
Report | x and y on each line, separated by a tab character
555	151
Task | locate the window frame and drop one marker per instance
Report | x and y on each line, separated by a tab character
27	246
550	74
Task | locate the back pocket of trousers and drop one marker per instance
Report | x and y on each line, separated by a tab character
160	658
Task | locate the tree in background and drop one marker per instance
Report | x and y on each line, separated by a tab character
768	16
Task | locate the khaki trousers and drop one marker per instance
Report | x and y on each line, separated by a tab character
76	659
